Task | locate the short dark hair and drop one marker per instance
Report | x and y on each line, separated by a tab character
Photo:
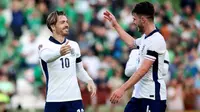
52	18
144	8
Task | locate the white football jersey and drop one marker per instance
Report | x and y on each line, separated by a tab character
133	61
61	77
152	85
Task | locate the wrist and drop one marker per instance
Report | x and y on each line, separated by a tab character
90	81
123	87
116	25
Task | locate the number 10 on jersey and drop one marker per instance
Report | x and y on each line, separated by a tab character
65	62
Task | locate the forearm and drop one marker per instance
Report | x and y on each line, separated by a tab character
49	56
81	73
129	40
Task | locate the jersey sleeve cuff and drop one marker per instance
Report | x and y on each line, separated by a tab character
78	59
151	55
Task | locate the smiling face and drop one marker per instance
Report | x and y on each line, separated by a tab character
62	26
57	23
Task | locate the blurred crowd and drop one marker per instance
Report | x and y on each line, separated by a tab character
104	54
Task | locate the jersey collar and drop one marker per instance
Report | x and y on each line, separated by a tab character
55	41
154	31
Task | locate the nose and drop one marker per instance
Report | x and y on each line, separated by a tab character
66	24
134	22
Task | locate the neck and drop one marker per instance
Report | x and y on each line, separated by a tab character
59	38
149	28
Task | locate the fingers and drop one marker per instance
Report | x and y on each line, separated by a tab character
66	42
89	88
114	98
107	15
93	93
65	49
92	90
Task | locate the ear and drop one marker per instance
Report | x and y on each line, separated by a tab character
142	19
53	27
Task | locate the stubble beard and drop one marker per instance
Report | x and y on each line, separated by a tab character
64	33
140	28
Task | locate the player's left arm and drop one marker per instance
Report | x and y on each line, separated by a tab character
83	75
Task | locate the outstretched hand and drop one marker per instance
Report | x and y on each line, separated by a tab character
110	17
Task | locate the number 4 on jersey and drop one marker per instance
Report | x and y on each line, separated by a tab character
80	110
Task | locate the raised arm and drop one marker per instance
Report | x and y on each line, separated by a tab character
129	40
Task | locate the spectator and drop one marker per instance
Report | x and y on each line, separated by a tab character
103	89
175	96
18	19
3	27
115	82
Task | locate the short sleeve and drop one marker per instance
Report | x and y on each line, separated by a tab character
155	48
41	47
137	42
78	53
166	57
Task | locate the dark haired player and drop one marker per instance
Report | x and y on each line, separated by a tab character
150	89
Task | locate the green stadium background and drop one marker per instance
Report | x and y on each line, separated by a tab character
22	28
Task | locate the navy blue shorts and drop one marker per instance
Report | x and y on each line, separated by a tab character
145	105
68	106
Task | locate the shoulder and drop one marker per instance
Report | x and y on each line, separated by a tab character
44	44
73	43
156	43
158	38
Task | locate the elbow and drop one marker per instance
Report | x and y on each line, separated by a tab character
129	71
49	60
128	74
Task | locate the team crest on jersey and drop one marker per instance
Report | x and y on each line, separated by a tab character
143	48
72	52
40	46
